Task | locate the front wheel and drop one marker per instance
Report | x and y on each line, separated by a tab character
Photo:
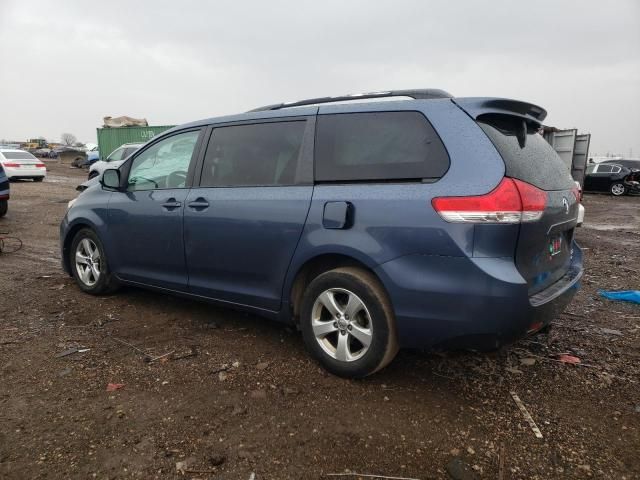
618	189
347	323
38	179
4	206
89	264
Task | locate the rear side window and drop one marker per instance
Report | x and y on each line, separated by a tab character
262	154
18	156
378	146
527	156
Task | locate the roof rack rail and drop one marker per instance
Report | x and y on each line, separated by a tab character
419	94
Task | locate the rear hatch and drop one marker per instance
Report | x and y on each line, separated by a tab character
543	251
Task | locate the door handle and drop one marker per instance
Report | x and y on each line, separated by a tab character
171	204
198	204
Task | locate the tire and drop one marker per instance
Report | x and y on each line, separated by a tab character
93	174
618	189
4	206
333	339
38	179
86	243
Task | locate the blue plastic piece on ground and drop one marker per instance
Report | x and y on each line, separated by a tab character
624	295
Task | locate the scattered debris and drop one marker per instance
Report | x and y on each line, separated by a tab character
252	476
222	376
368	475
564	358
458	469
610	331
262	365
217	459
193	352
236	364
71	351
181	467
526	414
513	370
529	361
112	387
222	368
148	359
622	295
115	339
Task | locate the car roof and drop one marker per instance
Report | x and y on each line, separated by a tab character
474	106
12	150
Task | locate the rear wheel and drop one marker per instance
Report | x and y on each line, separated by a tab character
4	206
89	264
38	179
347	323
618	189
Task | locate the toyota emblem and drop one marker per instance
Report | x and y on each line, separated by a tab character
565	202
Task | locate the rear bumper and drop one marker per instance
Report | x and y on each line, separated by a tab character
23	172
462	302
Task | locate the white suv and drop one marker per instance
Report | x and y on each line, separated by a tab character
114	160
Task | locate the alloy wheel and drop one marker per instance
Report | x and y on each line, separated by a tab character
617	189
88	262
341	324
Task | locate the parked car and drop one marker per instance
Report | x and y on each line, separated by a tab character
19	164
612	178
93	155
114	160
4	192
361	222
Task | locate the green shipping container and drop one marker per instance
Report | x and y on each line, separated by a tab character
111	138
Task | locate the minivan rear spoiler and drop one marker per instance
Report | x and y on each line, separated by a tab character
476	106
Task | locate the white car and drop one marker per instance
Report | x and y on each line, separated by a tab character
114	160
20	164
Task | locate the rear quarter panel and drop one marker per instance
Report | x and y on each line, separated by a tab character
391	220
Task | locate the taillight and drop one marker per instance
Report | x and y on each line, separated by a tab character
39	165
577	193
512	201
11	164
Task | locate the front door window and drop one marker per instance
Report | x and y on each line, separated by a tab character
164	164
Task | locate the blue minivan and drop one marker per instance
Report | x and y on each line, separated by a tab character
403	219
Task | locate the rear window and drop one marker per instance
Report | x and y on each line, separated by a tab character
527	156
378	146
18	156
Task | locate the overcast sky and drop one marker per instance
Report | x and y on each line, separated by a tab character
65	65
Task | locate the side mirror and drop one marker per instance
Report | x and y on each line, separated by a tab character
111	179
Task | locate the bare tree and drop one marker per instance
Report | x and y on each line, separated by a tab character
68	139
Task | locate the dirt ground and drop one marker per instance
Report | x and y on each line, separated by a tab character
238	395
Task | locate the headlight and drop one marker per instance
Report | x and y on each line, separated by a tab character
71	202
